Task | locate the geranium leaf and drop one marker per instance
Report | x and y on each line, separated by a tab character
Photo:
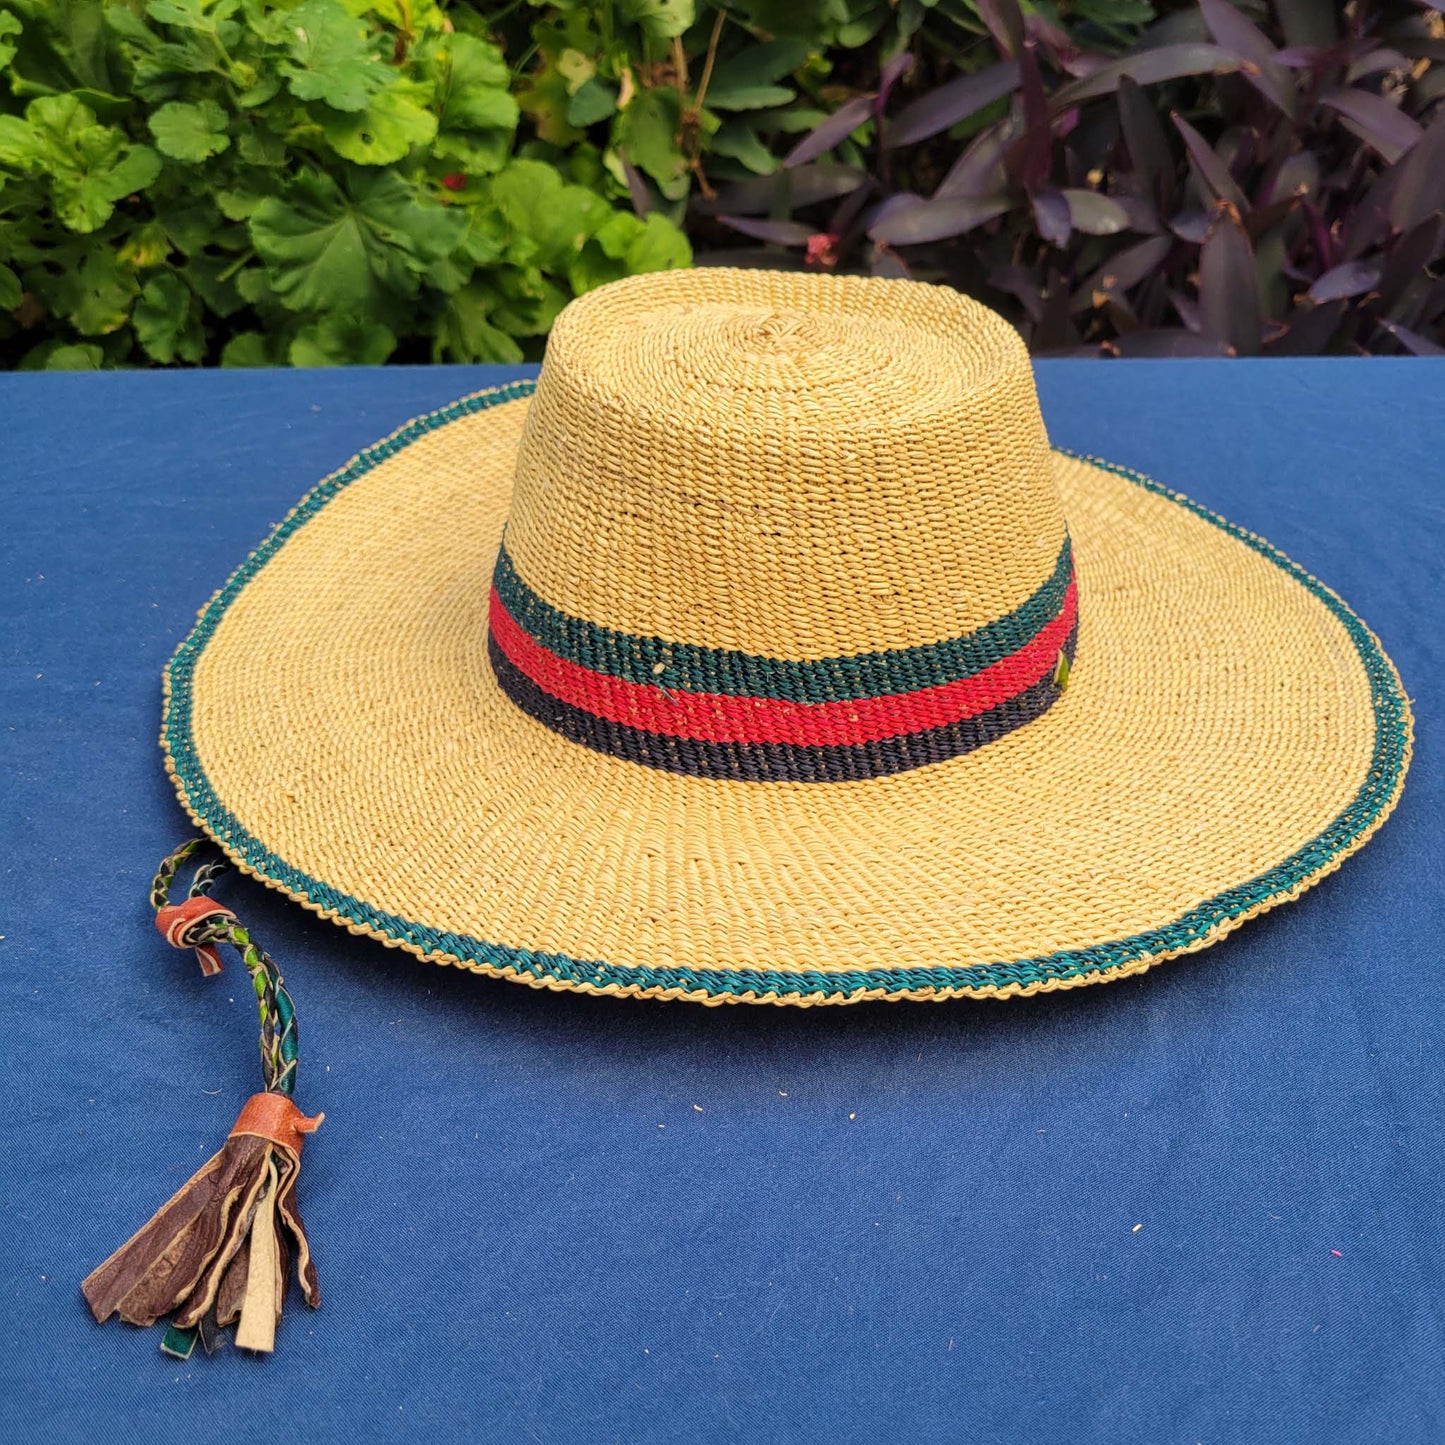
478	113
9	25
393	122
627	246
465	333
187	132
342	341
330	250
162	321
331	57
89	167
660	19
548	219
646	134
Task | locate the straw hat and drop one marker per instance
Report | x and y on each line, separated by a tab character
765	652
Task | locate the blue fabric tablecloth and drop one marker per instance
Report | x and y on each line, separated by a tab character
1203	1205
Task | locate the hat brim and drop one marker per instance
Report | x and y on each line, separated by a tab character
1231	732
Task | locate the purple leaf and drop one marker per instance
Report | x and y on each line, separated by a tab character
1353	278
936	220
1187	308
1235	33
1414	343
1144	136
1017	282
1409	257
1005	23
833	131
1140	212
1308	330
1229	303
1229	27
979	170
960	98
1191	226
1419	189
636	187
1095	214
1212	170
1298	173
1148	67
898	201
805	186
1167	341
1124	270
1029	157
1051	215
1373	62
778	233
1378	123
893	71
886	262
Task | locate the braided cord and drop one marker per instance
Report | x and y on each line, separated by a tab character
279	1032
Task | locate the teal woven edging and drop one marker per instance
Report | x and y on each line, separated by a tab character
1391	751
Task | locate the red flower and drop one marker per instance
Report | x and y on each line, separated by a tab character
455	181
822	249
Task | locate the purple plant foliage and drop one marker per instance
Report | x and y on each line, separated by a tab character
1250	179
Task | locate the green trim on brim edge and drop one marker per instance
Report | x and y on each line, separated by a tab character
1196	928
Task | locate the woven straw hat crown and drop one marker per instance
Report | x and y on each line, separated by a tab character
792	466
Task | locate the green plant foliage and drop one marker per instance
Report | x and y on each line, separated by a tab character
256	182
315	182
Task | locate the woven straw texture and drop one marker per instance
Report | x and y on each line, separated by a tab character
799	468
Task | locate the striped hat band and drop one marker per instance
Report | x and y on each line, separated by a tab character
714	712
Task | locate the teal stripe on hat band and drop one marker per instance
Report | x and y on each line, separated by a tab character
686	667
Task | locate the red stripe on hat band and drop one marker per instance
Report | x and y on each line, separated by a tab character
717	718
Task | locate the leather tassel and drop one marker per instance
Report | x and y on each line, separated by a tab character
220	1250
224	1239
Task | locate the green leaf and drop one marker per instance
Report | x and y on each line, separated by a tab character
213	279
188	14
327	249
246	348
526	302
163	323
592	101
627	246
646	133
89	167
549	220
741	143
750	97
761	64
393	122
66	358
191	220
9	25
332	57
465	334
659	19
188	132
11	290
342	341
478	114
96	296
